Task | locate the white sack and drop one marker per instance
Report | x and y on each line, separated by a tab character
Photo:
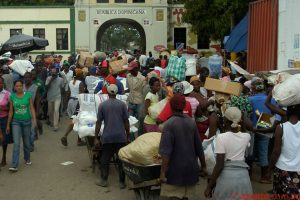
21	66
287	93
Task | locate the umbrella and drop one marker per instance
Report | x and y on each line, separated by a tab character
21	43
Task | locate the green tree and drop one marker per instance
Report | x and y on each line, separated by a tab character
120	36
214	18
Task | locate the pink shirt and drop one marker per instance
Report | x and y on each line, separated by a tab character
194	104
4	100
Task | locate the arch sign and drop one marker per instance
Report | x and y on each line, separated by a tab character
99	17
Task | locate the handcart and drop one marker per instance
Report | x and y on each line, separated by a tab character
94	152
143	180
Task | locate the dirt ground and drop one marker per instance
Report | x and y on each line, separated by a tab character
47	179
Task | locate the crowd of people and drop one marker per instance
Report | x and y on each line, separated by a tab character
191	114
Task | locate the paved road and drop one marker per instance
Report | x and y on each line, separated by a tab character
47	179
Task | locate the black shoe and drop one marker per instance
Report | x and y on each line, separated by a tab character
64	141
102	183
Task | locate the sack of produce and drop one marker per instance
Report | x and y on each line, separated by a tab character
287	93
156	109
143	150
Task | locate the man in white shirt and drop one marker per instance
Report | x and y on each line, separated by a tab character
143	60
67	76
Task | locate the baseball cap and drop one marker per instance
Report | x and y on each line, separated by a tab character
112	89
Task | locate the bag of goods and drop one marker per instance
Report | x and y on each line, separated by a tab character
191	67
104	97
156	109
91	82
21	66
87	123
143	150
287	93
209	153
89	102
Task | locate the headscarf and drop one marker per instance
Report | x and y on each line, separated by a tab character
178	88
234	115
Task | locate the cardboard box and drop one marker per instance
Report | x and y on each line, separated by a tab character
117	66
223	86
86	59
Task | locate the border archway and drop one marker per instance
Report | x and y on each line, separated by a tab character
129	22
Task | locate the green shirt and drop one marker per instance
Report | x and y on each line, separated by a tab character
41	87
21	106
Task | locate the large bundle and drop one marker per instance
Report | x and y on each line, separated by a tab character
287	93
21	66
85	121
157	108
143	150
92	82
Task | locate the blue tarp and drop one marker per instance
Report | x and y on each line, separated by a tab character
238	38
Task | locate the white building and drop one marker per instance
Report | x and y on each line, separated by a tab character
53	23
71	28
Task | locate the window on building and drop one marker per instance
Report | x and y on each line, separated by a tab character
138	1
180	37
203	42
120	1
39	32
14	31
102	1
62	39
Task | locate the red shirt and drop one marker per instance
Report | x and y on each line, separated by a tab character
166	113
107	81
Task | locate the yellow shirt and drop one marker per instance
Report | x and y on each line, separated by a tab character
153	99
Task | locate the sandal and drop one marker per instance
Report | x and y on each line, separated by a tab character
64	141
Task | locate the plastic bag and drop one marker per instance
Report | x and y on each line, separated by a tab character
91	82
89	102
143	150
156	109
191	67
209	154
21	66
86	130
86	117
287	93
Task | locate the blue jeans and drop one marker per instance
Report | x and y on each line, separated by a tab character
21	128
261	146
134	109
